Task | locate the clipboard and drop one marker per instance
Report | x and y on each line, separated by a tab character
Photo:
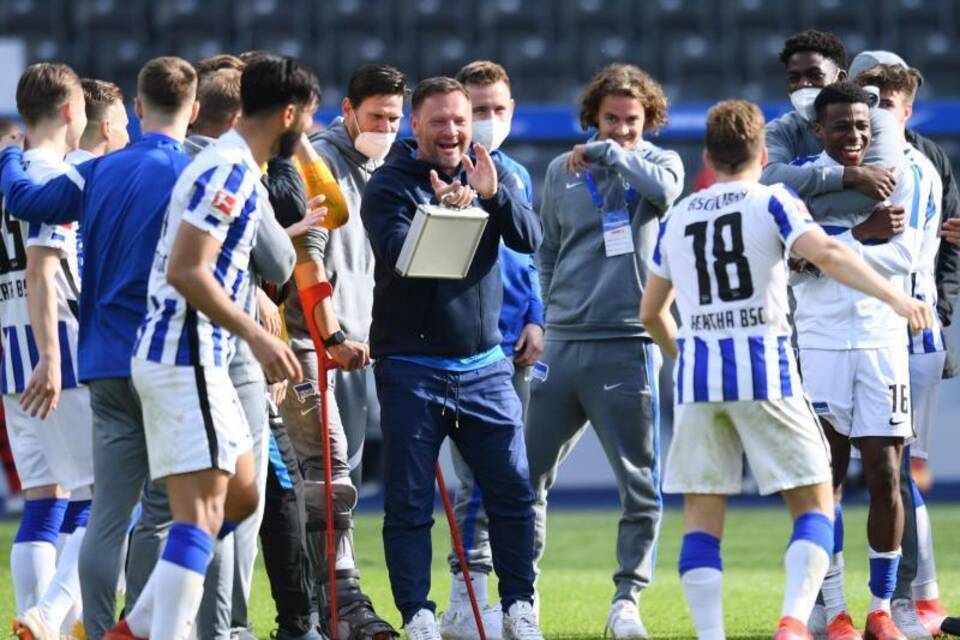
441	242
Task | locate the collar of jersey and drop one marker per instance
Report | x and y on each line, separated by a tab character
31	155
233	139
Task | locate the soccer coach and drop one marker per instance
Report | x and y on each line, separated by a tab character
439	367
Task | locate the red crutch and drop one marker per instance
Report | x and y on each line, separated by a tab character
458	548
310	297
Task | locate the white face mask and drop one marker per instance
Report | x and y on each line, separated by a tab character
373	144
803	99
491	132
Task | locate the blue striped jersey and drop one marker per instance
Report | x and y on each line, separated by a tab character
220	193
832	316
923	281
19	342
723	249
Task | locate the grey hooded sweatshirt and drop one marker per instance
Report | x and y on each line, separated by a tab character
791	138
346	253
586	295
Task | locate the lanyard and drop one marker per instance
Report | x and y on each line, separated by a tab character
595	193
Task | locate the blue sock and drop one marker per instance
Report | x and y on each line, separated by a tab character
188	546
226	529
76	516
883	573
701	575
698	550
838	528
816	528
41	520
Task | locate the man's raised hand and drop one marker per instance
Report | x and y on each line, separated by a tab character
481	175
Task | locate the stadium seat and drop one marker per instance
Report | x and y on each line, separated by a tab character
356	48
914	14
121	61
592	16
204	16
933	54
546	69
194	46
432	18
511	18
741	16
598	50
372	16
95	16
33	16
293	16
701	68
836	16
316	53
757	63
444	55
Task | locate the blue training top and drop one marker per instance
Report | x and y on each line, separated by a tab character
120	201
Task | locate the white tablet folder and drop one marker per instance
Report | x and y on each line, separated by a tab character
441	242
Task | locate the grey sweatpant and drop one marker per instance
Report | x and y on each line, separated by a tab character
356	395
612	384
230	573
120	468
468	503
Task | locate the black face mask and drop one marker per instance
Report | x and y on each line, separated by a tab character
288	142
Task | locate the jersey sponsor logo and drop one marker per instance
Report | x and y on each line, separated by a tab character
224	202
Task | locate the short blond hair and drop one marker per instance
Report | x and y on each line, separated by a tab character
482	73
624	80
735	134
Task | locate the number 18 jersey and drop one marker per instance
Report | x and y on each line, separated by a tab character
723	248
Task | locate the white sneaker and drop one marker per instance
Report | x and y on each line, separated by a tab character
458	624
422	626
520	623
904	614
623	621
30	625
817	624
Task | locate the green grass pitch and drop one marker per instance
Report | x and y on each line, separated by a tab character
576	586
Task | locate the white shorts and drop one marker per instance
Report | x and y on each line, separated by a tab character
192	418
782	440
860	392
926	372
58	450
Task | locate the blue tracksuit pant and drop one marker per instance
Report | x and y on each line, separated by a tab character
480	411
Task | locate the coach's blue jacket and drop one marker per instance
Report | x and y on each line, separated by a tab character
433	317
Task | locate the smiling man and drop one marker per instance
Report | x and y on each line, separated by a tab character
440	369
601	205
854	362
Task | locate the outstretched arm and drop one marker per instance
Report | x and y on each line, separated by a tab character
55	202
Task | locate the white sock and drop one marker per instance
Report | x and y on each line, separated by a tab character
703	588
832	589
64	590
925	583
460	595
139	618
32	566
176	601
806	564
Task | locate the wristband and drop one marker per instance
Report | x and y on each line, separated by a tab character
335	338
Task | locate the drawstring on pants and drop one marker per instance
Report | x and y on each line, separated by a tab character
456	401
